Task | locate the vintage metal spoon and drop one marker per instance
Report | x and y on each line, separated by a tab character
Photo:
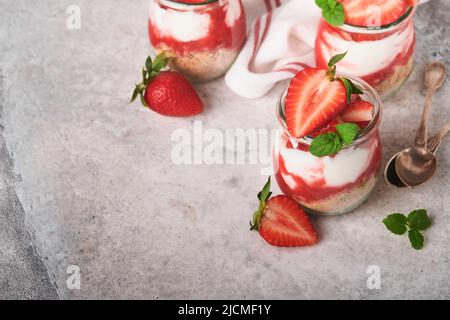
416	165
391	176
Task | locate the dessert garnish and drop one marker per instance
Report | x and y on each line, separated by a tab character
166	92
364	13
281	222
317	99
414	223
332	12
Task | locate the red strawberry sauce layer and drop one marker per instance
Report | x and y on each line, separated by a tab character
220	34
311	192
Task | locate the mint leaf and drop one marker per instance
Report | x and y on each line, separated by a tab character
265	193
332	11
347	132
335	59
418	220
326	144
396	223
322	3
416	239
334	15
331	3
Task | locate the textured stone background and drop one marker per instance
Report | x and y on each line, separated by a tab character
86	178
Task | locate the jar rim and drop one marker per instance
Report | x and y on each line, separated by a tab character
182	4
384	28
362	135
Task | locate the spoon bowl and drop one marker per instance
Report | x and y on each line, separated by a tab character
415	166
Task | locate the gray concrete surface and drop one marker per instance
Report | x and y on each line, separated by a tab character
22	273
100	191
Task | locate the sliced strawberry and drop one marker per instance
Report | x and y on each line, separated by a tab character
331	127
375	13
358	111
312	101
285	224
281	222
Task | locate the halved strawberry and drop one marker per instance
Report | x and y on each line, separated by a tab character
281	222
375	13
312	101
358	111
331	127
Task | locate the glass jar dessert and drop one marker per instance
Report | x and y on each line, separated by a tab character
337	184
201	38
380	49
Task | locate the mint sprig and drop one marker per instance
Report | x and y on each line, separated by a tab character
416	221
347	132
330	143
326	144
332	11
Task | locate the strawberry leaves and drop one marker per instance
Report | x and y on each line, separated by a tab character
263	196
332	11
330	143
149	71
415	222
350	87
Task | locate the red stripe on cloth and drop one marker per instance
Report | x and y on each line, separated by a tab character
266	29
255	42
268	5
278	3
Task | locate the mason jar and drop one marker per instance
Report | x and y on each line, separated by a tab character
330	185
202	38
383	56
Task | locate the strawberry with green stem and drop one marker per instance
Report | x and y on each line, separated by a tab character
166	92
281	222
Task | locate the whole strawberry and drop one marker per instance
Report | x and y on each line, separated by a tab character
281	222
167	92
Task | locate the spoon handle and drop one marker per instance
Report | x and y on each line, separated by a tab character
422	134
436	140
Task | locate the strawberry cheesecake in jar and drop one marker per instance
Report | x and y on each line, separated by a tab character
328	155
379	37
201	38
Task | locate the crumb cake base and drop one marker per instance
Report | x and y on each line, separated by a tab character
395	81
343	202
200	66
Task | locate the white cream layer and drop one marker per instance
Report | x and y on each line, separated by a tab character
336	171
188	26
184	26
366	57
